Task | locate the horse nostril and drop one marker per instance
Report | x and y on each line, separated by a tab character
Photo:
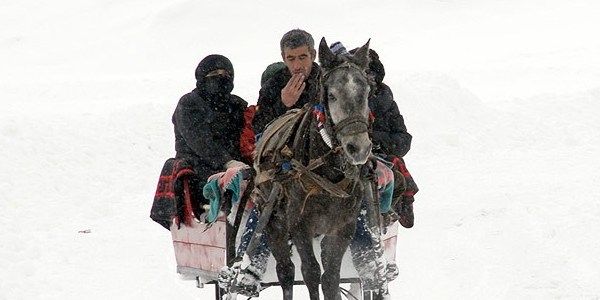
351	148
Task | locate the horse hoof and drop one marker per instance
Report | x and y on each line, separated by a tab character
247	284
226	277
391	272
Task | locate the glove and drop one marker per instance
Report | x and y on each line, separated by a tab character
235	164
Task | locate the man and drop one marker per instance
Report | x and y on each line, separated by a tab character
286	88
293	86
208	123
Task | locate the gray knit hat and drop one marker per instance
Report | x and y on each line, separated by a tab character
338	48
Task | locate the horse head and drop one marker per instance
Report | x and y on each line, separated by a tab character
344	94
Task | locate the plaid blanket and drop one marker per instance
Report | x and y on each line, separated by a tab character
411	185
167	207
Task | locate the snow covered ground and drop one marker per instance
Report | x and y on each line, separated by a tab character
502	98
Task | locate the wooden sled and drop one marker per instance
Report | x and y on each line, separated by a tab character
202	251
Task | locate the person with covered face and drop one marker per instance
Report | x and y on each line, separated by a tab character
208	123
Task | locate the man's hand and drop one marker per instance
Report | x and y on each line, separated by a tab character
235	164
292	90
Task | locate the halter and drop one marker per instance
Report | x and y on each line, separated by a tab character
345	64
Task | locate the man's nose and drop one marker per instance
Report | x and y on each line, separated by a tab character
297	66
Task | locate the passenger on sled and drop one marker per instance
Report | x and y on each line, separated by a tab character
288	88
208	122
391	139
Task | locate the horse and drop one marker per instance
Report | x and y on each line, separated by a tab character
313	165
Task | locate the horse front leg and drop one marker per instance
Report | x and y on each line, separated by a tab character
332	252
311	270
280	248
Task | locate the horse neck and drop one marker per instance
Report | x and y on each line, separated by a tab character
316	148
316	145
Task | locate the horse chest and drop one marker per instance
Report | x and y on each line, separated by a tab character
322	214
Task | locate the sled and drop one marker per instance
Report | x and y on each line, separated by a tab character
202	250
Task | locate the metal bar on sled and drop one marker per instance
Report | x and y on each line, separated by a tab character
265	215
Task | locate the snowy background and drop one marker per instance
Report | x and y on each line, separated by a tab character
502	98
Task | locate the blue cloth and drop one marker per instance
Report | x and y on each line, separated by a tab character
386	178
385	198
261	256
212	192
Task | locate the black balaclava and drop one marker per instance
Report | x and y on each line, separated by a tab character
215	86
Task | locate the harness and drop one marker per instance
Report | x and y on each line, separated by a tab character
283	145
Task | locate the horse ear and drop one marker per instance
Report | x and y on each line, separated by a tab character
326	57
361	56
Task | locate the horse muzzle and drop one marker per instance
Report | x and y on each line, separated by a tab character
357	148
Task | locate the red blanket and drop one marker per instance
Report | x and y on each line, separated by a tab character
167	206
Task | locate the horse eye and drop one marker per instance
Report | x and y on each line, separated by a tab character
331	98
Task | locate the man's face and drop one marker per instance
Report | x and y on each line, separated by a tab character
299	60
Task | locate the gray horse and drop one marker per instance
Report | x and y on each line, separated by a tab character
313	170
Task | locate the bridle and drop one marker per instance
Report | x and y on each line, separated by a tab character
330	133
352	125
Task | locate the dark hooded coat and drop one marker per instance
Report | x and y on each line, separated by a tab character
269	105
390	137
208	121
